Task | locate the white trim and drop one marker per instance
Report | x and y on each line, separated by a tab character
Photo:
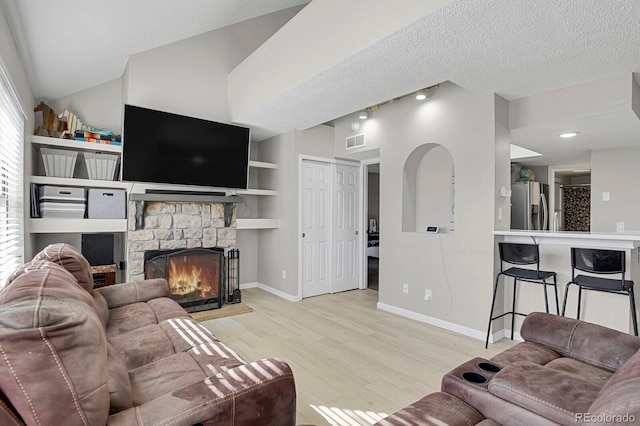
551	181
276	292
450	326
364	219
248	285
331	162
505	333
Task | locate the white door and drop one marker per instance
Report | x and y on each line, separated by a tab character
346	228
316	179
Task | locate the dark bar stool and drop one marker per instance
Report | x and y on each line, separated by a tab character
598	261
520	254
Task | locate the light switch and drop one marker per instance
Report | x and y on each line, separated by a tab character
605	196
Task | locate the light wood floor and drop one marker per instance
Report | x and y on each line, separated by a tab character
352	363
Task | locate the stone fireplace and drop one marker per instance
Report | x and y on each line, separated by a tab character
175	226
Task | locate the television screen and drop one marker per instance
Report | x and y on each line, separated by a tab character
162	147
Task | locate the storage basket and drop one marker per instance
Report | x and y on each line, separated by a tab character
101	166
59	162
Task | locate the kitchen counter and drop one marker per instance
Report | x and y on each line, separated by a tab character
616	240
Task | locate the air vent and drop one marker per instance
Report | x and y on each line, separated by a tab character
356	141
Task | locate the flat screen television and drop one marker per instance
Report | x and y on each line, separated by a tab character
162	147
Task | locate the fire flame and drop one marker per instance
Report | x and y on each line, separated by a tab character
186	279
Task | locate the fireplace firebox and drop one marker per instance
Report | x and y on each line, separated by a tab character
196	276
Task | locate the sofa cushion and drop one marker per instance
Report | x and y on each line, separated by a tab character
101	307
53	349
165	308
130	317
553	394
185	333
525	351
70	259
619	397
134	292
142	345
435	409
118	381
215	357
581	370
586	342
164	376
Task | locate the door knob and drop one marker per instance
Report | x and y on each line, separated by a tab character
356	232
304	235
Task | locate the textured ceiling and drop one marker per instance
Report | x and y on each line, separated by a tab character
70	45
512	48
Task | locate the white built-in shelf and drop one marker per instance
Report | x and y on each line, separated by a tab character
262	165
74	145
73	225
90	183
257	192
257	223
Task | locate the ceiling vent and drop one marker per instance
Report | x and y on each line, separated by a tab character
356	141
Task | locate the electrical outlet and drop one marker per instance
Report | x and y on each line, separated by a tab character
405	288
427	294
284	274
620	226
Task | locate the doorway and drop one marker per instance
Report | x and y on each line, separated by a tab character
330	226
570	198
372	221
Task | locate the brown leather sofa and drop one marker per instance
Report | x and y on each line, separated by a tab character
565	372
122	355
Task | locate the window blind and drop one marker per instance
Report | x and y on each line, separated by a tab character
11	180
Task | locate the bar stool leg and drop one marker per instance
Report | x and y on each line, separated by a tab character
634	319
579	301
513	307
546	299
555	288
493	302
566	296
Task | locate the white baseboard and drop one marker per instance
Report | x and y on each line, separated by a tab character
456	328
248	285
274	291
450	326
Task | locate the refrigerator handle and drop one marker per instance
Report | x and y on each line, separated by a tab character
545	212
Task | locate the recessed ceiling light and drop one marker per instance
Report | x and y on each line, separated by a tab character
568	134
421	95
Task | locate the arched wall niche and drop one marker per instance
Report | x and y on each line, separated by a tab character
428	190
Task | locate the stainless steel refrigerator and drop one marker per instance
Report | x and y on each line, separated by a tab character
529	207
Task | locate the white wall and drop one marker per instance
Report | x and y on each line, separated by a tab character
188	77
278	248
615	171
433	190
458	267
99	106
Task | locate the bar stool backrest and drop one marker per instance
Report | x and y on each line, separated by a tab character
598	261
519	254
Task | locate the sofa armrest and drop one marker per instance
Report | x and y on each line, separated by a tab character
551	393
586	342
262	392
135	291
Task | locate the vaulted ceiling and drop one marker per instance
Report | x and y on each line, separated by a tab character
368	54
